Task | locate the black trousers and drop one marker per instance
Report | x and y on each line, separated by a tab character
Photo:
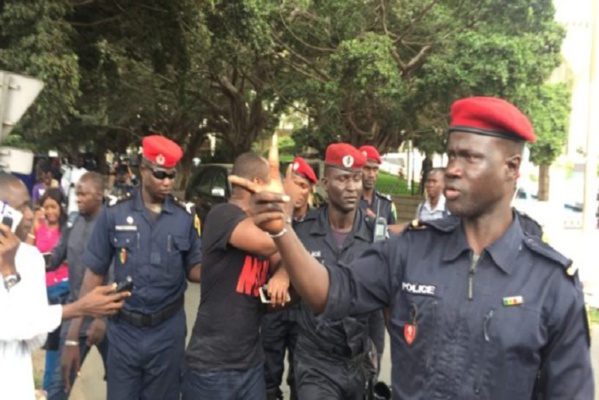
279	335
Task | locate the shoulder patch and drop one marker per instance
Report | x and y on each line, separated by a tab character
447	224
529	225
188	207
114	200
385	196
537	246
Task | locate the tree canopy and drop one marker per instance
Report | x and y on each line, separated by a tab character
367	71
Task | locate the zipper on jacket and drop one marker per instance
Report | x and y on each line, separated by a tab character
478	383
471	272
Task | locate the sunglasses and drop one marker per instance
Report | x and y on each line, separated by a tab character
162	175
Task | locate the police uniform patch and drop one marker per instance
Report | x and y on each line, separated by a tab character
114	200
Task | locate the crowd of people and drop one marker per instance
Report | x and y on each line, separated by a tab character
476	305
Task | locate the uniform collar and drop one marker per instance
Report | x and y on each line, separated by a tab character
503	252
138	204
321	225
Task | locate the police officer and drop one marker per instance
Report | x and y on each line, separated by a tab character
152	238
122	186
374	203
279	330
478	307
334	360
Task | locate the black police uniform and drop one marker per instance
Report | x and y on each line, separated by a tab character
333	359
384	204
510	326
148	336
278	333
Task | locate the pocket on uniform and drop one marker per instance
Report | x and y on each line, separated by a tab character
123	240
174	266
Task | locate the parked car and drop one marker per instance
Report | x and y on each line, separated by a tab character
208	187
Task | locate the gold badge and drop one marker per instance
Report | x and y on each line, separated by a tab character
198	225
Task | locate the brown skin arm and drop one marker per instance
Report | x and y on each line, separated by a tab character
310	278
248	237
195	273
90	282
100	301
270	206
396	229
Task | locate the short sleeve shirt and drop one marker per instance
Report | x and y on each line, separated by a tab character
156	252
226	333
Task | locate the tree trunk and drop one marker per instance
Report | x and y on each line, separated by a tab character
543	190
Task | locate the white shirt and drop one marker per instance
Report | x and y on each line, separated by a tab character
25	320
424	212
69	181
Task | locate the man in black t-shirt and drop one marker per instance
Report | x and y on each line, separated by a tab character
224	357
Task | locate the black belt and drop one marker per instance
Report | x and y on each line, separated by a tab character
149	320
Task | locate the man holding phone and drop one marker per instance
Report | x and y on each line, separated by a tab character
25	314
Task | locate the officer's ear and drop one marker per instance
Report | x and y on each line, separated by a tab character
512	164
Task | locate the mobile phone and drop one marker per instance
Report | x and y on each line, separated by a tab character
10	216
265	298
6	220
125	286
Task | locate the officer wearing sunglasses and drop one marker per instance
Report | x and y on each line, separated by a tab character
152	238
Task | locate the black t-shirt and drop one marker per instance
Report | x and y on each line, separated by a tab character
226	334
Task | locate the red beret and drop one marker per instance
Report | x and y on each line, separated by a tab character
371	153
161	151
491	116
344	156
301	167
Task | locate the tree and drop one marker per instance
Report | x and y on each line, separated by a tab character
548	107
35	40
439	50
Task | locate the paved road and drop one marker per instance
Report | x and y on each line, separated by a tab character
91	387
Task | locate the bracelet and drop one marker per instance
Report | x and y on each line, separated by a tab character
71	343
278	235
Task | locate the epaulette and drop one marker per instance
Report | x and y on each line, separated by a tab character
528	224
114	200
446	225
385	196
537	246
188	207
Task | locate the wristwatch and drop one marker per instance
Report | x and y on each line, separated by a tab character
11	280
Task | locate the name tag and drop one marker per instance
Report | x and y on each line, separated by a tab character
130	228
513	301
416	288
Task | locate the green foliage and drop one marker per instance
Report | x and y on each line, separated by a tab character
35	40
391	184
548	107
360	71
